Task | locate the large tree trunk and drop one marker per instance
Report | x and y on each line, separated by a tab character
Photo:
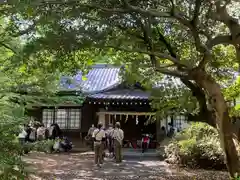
223	120
204	115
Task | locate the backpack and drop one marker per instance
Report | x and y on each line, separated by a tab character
110	134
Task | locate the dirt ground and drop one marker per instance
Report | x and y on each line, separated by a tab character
79	166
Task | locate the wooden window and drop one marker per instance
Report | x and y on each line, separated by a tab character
47	117
112	119
74	119
61	118
65	118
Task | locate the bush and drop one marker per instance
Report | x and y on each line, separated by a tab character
40	146
196	146
11	165
44	146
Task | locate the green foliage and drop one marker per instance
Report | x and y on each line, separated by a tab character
44	146
63	36
77	100
11	116
40	146
53	100
236	177
232	93
68	36
196	146
22	84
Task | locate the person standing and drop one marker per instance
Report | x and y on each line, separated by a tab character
171	130
89	135
110	139
22	135
41	132
33	133
98	138
118	136
55	131
91	129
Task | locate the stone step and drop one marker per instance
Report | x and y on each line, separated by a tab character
138	153
127	153
141	154
137	150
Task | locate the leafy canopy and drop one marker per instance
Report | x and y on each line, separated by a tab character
149	37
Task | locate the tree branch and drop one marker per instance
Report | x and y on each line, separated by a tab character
147	37
7	46
92	5
150	12
238	55
171	73
167	44
160	55
192	25
203	62
232	23
221	39
148	40
196	12
205	115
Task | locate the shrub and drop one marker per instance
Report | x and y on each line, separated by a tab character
196	146
11	165
236	177
44	146
40	146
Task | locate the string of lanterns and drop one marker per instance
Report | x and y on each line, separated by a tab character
135	115
125	115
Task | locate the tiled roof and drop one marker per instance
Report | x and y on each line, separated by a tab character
99	78
131	94
102	78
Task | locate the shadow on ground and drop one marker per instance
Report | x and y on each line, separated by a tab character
80	166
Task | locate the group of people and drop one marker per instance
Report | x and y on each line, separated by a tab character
111	138
35	131
32	132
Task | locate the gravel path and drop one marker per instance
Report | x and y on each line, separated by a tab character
79	166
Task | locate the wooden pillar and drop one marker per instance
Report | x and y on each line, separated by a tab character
102	119
106	120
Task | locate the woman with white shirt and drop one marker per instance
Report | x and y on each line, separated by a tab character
22	135
41	131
